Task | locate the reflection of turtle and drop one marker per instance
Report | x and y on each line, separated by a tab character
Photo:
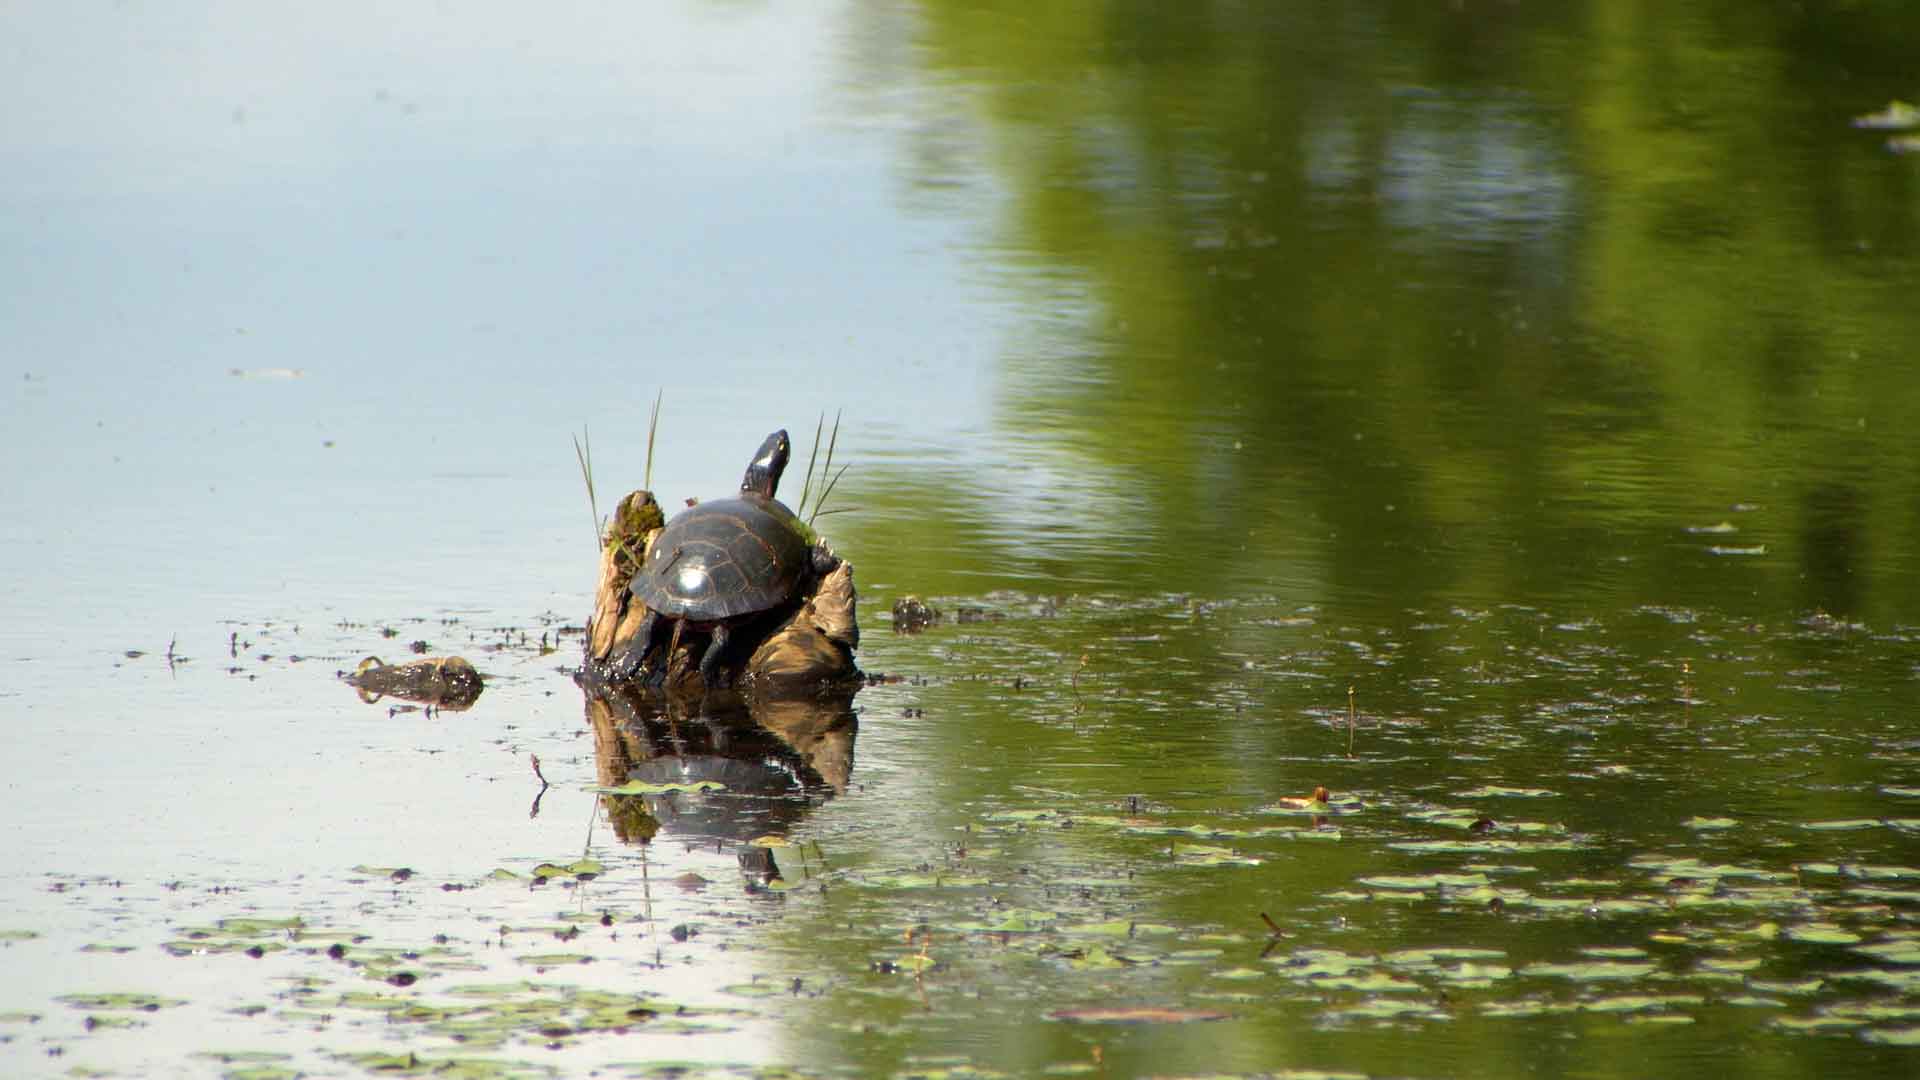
723	561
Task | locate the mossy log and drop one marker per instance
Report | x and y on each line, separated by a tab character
798	648
445	682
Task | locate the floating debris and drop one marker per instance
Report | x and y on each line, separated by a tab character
1897	116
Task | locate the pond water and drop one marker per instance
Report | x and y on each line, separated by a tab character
1500	416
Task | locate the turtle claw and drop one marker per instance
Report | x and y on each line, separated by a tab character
710	674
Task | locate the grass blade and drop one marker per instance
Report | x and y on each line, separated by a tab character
583	453
807	484
653	428
831	484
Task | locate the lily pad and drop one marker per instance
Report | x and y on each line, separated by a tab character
549	960
1822	934
1591	971
119	1001
1842	825
1425	881
642	787
1136	1014
1892	952
1907	1036
572	869
1211	855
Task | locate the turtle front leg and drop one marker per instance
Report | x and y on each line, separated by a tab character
633	660
710	660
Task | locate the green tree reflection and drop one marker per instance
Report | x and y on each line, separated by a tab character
1409	302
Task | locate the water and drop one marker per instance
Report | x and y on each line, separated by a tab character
1483	414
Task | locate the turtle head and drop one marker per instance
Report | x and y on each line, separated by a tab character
763	472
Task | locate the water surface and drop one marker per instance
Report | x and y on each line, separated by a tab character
1497	416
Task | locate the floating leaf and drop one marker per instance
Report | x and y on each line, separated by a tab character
925	881
1897	116
1817	1023
1894	1036
254	927
1485	845
1687	866
1097	958
1118	928
547	960
1210	855
189	947
1822	934
1424	881
119	1001
1428	957
1139	1014
573	869
1843	825
1386	1009
1319	963
1641	1002
1376	982
1906	980
1590	971
642	787
1893	952
1801	986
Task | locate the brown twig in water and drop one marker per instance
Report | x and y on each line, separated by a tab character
1350	719
920	969
1274	934
534	812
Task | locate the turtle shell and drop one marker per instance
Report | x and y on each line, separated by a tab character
726	558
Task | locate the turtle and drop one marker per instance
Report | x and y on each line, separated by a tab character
724	561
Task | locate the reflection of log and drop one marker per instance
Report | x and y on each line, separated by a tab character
800	648
445	682
820	732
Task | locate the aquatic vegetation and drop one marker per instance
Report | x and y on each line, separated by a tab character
1132	872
